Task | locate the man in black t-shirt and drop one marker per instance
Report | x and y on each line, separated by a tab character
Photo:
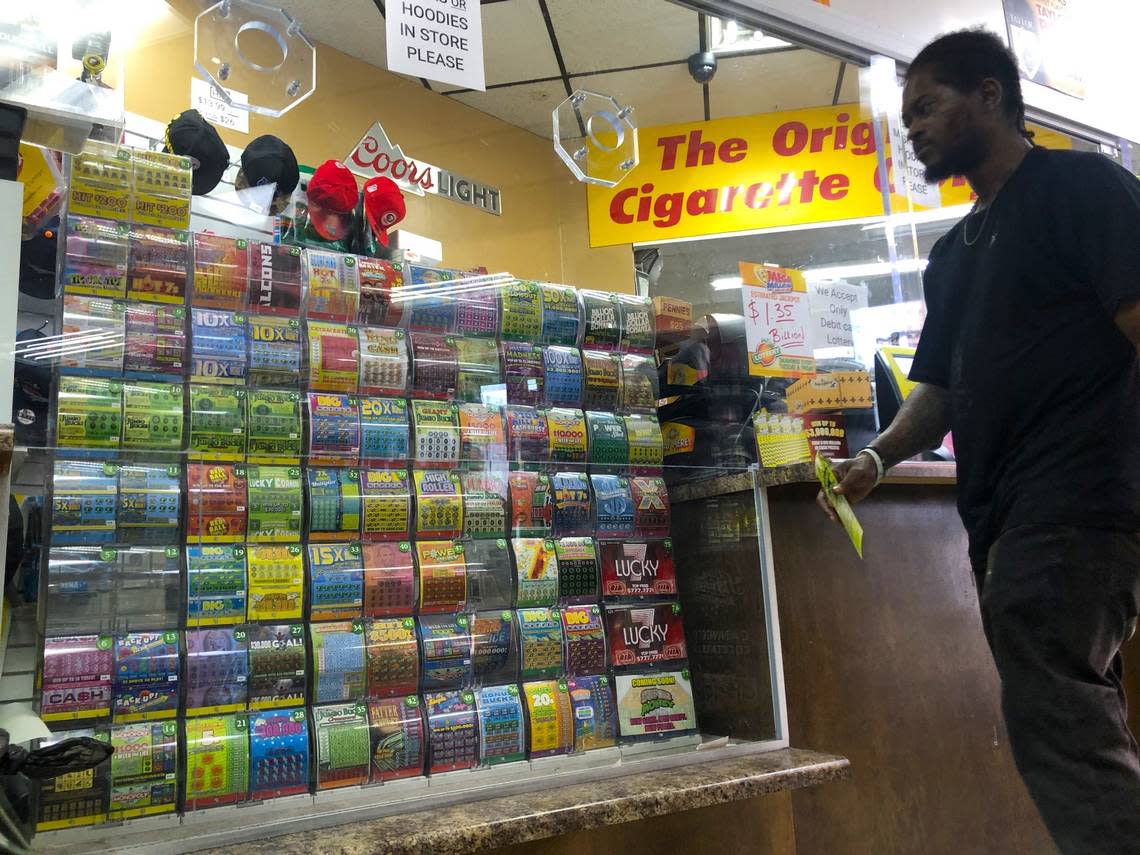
1029	354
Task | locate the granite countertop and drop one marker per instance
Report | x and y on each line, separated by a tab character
909	472
482	825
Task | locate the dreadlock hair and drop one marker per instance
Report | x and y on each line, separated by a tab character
965	58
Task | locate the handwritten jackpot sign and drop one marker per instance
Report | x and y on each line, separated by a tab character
777	321
750	172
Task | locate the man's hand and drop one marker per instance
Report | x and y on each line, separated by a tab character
856	479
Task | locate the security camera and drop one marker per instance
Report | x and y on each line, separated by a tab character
702	66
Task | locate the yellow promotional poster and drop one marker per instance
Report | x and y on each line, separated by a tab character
777	321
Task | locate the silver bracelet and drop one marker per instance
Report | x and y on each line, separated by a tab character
877	459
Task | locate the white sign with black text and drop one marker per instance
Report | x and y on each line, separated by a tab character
207	100
831	306
439	40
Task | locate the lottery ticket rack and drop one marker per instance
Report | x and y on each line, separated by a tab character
327	529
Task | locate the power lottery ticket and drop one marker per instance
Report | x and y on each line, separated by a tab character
336	581
480	371
637	329
77	677
146	676
385	430
577	569
501	727
217	347
613	506
562	367
585	640
276	582
89	414
152	416
274	426
221	272
485	501
453	732
380	281
275	504
217	422
144	770
536	571
540	643
550	721
522	311
523	373
93	335
217	760
217	670
95	260
274	350
601	320
601	377
83	502
439	504
278	753
334	286
387	504
157	264
397	738
334	351
275	279
334	503
393	657
531	504
443	576
334	428
276	666
341	737
595	712
389	579
483	442
216	510
150	503
384	361
638	568
155	341
215	584
656	703
436	438
494	647
559	314
645	634
646	445
338	660
609	445
567	432
650	506
445	643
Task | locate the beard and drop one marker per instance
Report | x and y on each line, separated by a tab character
960	156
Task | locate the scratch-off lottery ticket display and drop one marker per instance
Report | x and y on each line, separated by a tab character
217	760
397	738
94	330
383	361
334	503
577	569
341	736
638	568
435	366
77	678
393	657
275	279
531	504
215	584
276	582
83	502
156	265
336	581
550	723
385	431
155	341
277	663
95	260
477	311
436	434
646	446
146	676
562	372
217	422
221	272
453	733
334	286
216	512
479	369
278	753
74	798
152	417
585	640
522	311
144	779
609	445
494	651
595	712
89	414
217	347
338	660
430	303
536	571
645	634
386	495
567	431
334	429
613	506
439	504
483	442
274	420
389	579
638	333
443	576
528	437
570	514
655	703
333	357
601	377
501	728
523	373
485	500
217	670
445	642
601	320
560	319
540	643
380	281
274	350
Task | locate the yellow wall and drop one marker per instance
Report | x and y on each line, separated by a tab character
542	232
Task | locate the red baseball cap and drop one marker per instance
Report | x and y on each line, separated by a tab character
331	198
383	206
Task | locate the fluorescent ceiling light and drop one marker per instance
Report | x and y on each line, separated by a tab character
855	271
728	36
726	283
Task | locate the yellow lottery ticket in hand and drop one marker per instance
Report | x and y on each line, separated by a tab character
826	475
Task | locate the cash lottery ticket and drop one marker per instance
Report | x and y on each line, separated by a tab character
439	504
485	502
393	656
638	384
657	703
637	328
386	496
77	677
89	413
577	569
276	501
334	429
601	320
494	647
436	427
145	677
384	361
522	311
609	445
221	272
278	753
334	503
216	509
531	504
562	376
430	304
559	314
397	738
334	356
156	265
646	445
217	670
333	291
93	333
276	665
550	721
274	426
613	506
445	644
338	660
153	417
566	430
341	737
480	371
379	281
336	581
490	577
539	643
645	634
217	347
453	732
595	712
536	571
571	511
217	422
638	568
585	640
385	430
217	760
74	799
482	438
95	257
150	503
443	576
276	582
389	579
84	502
144	769
601	377
435	366
274	350
528	436
650	506
501	727
477	310
523	373
155	341
274	279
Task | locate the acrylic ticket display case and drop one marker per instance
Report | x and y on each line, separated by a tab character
330	527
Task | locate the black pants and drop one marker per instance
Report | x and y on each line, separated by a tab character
1057	604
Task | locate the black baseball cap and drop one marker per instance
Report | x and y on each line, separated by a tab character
189	135
268	160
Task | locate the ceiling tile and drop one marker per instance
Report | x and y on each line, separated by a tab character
356	28
659	96
599	34
527	105
768	82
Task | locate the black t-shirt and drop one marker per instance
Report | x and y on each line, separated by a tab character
1045	389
